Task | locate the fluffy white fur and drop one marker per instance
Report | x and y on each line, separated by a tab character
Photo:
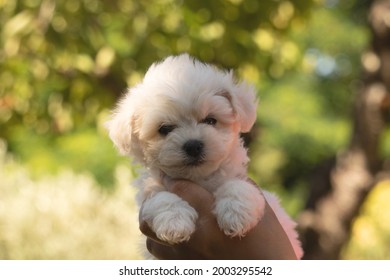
184	120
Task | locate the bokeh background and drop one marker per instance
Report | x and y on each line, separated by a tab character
322	139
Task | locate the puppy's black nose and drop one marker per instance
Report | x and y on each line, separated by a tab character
193	148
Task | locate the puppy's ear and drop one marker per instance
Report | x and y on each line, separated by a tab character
244	103
120	126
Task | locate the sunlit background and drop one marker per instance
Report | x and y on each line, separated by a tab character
64	191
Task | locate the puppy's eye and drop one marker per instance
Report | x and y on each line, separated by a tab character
210	121
165	129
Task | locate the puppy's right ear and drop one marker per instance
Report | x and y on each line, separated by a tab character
120	126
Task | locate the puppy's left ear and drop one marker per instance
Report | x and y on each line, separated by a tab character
244	102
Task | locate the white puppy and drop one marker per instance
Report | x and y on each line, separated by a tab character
184	120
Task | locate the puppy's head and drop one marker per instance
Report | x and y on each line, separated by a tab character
184	118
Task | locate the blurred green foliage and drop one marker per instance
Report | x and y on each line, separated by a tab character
64	63
370	237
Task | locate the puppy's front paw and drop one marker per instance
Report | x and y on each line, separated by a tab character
239	207
170	217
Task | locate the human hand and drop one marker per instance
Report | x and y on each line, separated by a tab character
266	241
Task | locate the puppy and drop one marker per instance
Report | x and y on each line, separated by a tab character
184	121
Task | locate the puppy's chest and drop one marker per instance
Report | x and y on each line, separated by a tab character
213	182
233	168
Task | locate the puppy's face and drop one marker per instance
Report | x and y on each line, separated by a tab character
186	138
184	118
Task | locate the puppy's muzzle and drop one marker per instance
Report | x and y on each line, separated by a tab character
194	149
